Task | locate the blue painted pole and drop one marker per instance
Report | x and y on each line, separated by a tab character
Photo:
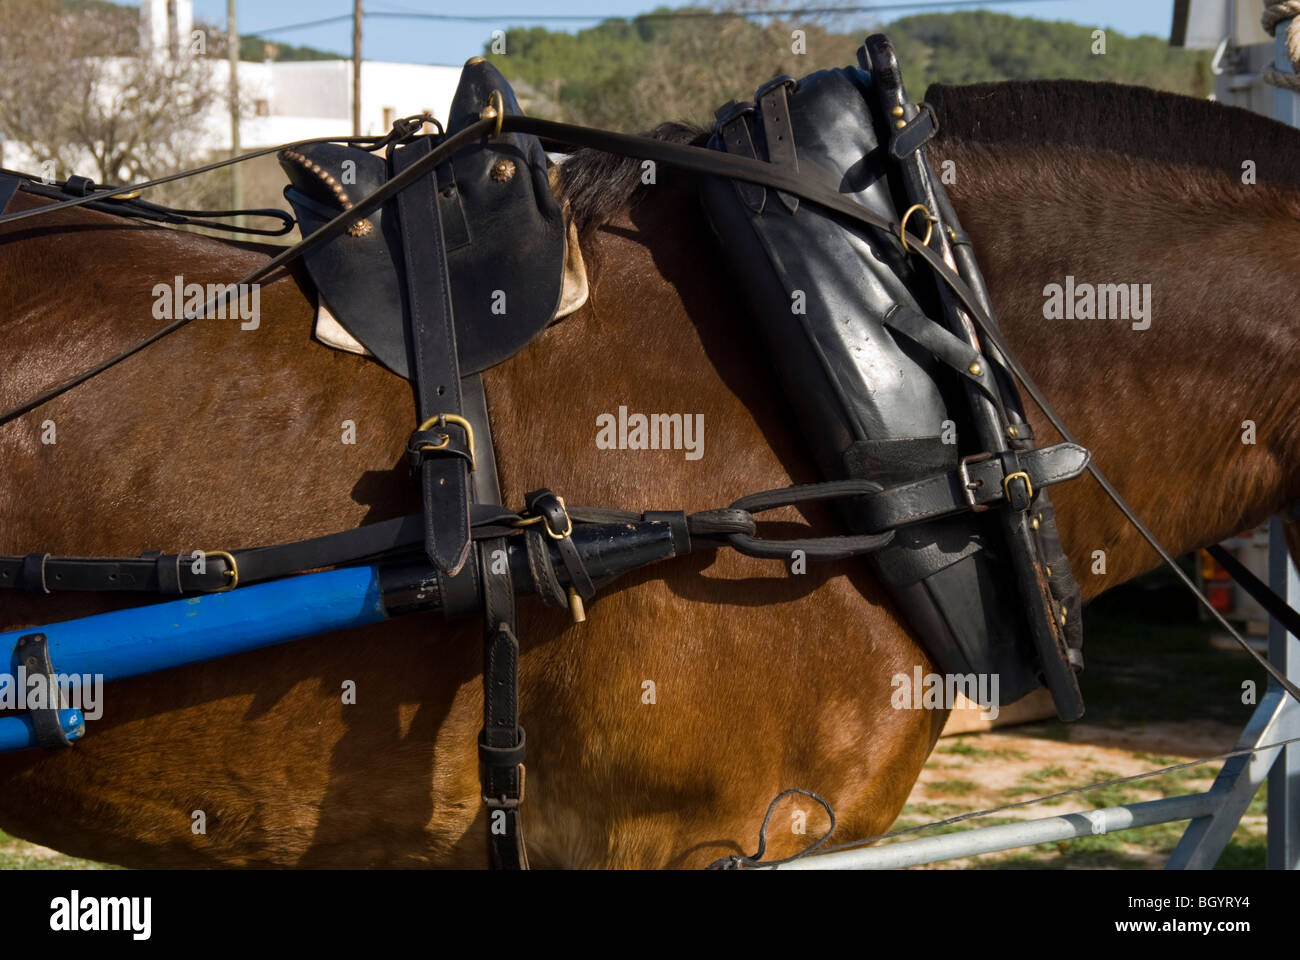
17	733
126	643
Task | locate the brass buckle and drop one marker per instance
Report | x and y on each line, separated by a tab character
930	221
1029	486
567	519
529	521
442	420
969	486
232	573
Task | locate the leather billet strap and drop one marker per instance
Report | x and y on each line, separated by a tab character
978	483
774	106
444	463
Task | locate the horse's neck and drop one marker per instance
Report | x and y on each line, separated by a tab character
1193	418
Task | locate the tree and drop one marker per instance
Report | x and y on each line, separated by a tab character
78	91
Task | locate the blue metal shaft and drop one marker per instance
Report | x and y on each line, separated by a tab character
126	643
16	733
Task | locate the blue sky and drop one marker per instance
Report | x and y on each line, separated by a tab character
433	42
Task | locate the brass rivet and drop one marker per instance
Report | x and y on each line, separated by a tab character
1014	431
503	171
1034	524
1049	571
897	111
1062	618
976	369
473	60
900	124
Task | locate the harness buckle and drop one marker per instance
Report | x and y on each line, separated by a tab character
538	504
444	441
969	485
1022	499
507	803
231	574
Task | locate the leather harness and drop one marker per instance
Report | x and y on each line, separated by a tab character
463	524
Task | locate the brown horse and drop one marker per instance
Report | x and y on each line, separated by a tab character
220	437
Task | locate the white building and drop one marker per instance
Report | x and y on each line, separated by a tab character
284	101
306	98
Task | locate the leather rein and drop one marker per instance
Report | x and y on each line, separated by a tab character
812	184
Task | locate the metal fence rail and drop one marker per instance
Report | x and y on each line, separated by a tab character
969	843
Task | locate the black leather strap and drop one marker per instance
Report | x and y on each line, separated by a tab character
735	133
980	484
914	134
956	353
444	473
559	526
1262	593
174	574
774	105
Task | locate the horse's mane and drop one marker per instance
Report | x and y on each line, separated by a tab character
597	185
1133	121
1136	122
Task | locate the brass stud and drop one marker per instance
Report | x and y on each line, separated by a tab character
900	124
1062	617
897	111
1034	523
474	61
1049	571
975	369
1014	431
503	171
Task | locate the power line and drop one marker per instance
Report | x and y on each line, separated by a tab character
669	15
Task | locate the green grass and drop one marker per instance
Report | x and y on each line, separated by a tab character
1047	773
964	749
17	854
956	788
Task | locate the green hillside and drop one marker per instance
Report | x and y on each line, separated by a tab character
631	74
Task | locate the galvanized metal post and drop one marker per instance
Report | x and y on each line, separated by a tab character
1284	651
1283	648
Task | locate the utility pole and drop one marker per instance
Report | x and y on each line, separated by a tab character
356	68
232	43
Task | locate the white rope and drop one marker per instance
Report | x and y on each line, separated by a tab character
1275	14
